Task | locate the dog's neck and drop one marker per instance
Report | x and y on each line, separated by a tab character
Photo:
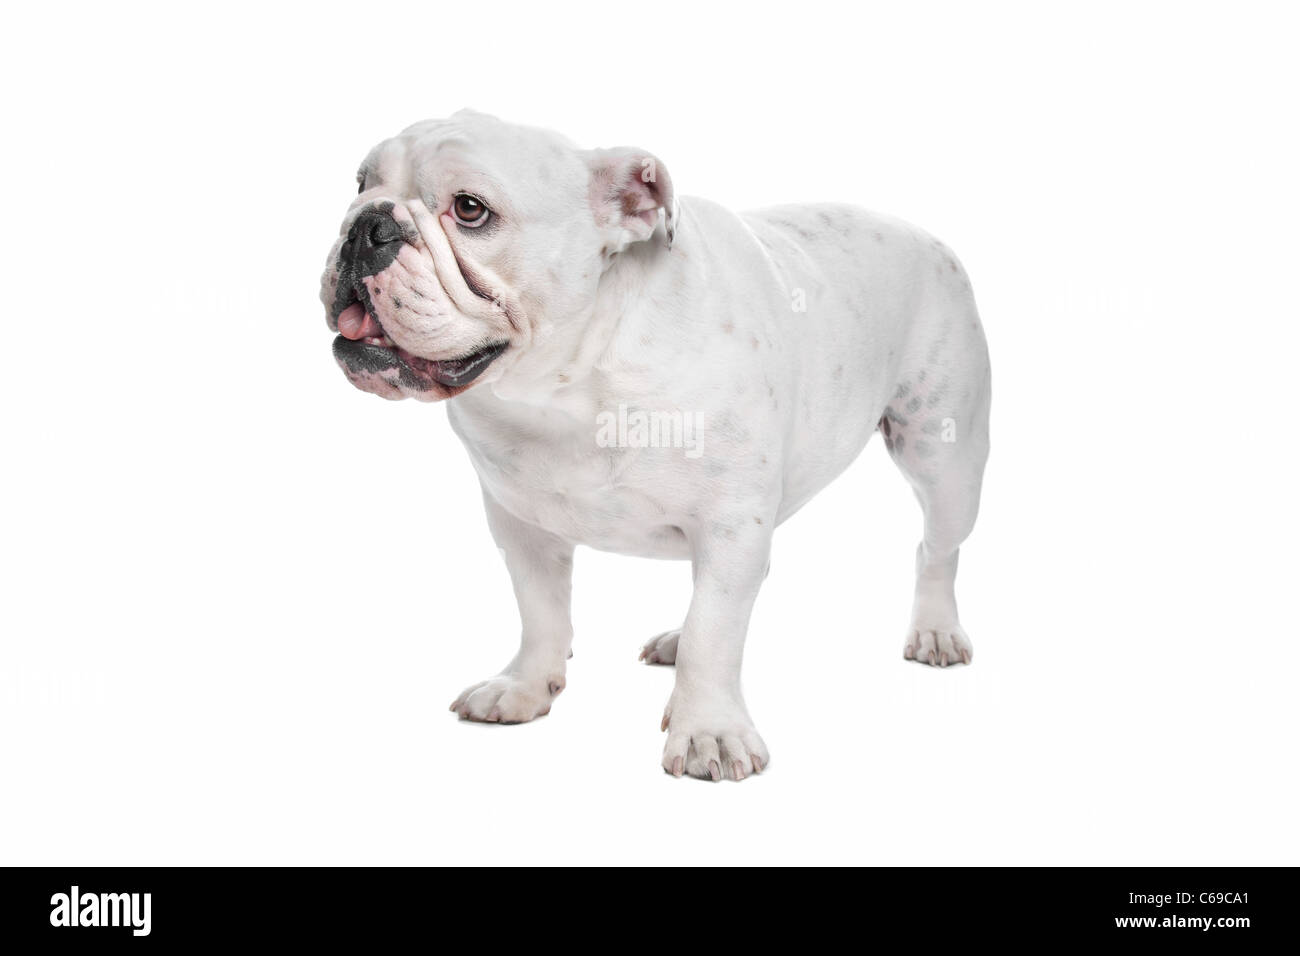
556	370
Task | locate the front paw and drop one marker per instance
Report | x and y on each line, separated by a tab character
712	742
508	700
939	646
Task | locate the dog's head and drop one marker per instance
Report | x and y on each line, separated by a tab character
469	241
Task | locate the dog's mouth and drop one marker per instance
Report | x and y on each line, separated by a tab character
363	346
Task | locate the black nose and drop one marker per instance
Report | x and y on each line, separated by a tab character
373	243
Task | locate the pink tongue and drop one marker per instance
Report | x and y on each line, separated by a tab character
355	323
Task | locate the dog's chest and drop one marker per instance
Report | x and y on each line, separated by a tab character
558	477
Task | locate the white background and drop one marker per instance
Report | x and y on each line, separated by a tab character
221	643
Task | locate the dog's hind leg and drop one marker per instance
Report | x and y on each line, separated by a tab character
661	649
936	429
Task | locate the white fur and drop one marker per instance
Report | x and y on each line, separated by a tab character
710	325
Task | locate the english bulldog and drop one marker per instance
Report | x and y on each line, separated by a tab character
580	317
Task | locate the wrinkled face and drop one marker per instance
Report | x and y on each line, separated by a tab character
469	238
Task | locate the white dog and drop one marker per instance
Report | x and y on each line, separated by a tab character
584	318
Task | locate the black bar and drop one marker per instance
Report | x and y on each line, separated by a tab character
374	907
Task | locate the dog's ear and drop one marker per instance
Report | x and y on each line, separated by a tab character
628	188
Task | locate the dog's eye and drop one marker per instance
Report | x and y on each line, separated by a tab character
469	211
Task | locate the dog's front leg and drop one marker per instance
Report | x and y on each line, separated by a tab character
710	733
541	569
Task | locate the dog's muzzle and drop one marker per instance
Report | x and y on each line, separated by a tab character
363	347
373	243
